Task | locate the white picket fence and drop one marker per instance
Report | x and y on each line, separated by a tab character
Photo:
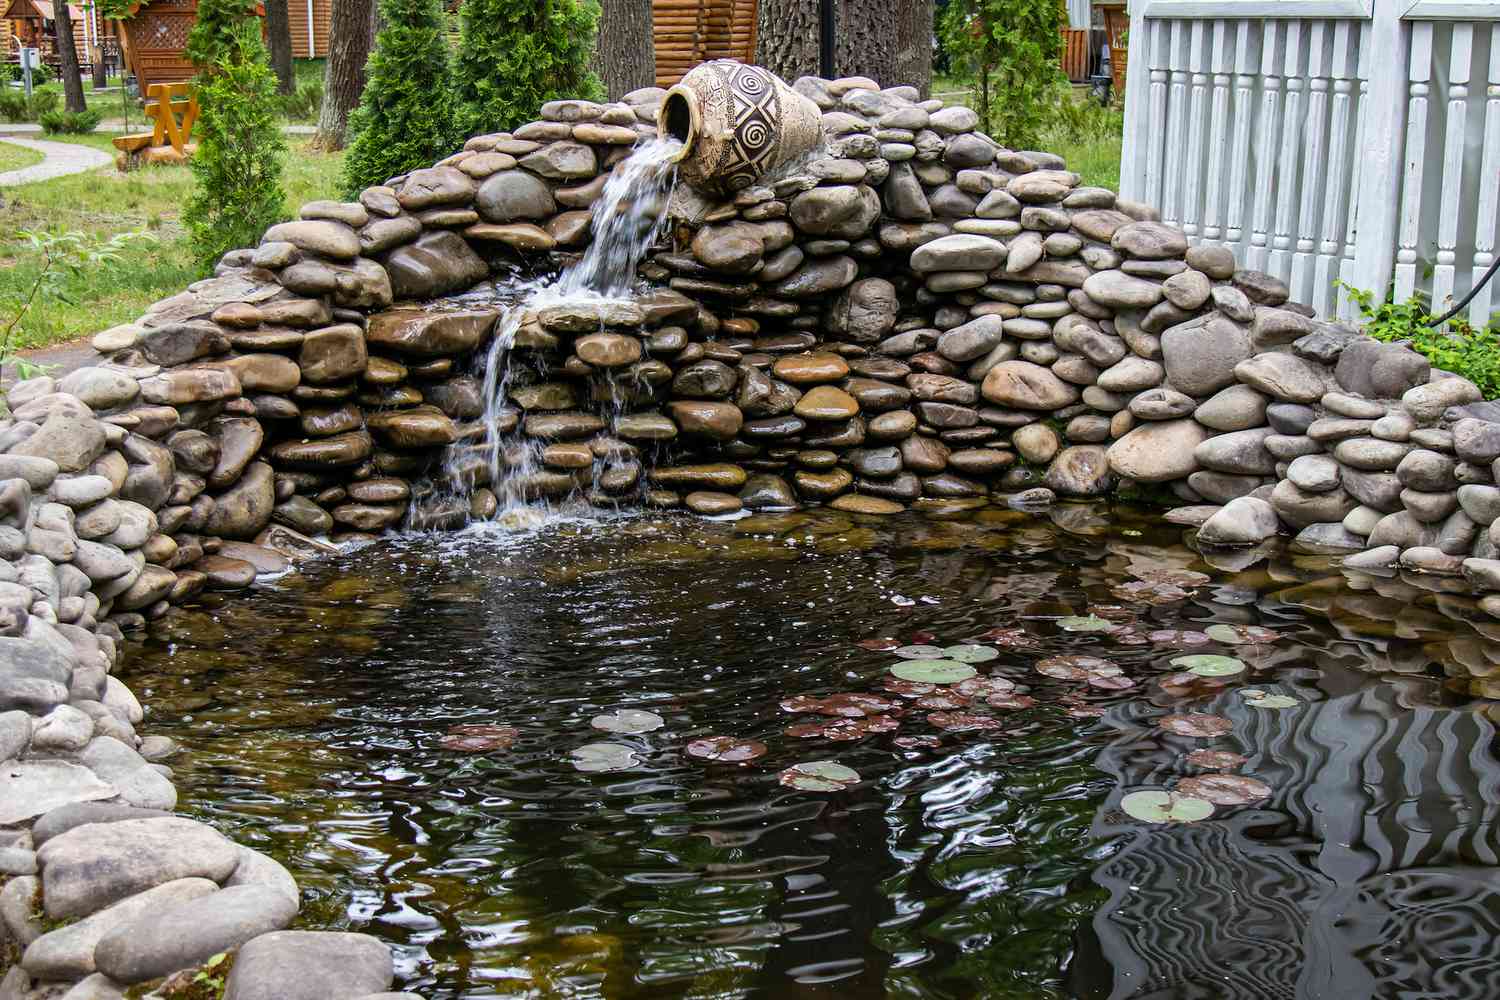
1324	139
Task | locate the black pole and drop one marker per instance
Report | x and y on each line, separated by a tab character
825	41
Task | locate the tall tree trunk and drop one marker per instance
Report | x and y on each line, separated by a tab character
786	37
624	53
67	55
351	35
866	36
913	46
279	34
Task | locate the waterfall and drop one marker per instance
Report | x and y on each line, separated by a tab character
627	221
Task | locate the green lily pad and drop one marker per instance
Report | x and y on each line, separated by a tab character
1236	634
628	720
604	757
971	654
919	652
1209	665
1271	701
819	776
1085	623
1153	806
933	671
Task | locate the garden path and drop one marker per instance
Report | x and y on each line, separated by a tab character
62	159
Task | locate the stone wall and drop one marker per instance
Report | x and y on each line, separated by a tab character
912	317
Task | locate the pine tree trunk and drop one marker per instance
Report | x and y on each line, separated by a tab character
624	53
913	46
866	36
67	55
279	34
351	35
786	37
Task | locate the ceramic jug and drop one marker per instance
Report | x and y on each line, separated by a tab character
736	122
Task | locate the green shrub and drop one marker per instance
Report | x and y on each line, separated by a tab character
1455	347
240	149
70	122
303	103
514	57
405	116
39	74
1013	51
16	107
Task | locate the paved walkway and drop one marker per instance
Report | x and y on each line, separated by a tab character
62	159
30	128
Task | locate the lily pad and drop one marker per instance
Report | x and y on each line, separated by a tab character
854	705
933	671
1173	576
604	757
1237	634
878	645
1085	623
1179	637
1009	699
1225	789
1110	682
819	776
479	737
1013	636
1183	684
1196	725
726	749
1260	699
945	700
1209	665
919	652
628	720
963	722
908	689
1153	806
844	730
1217	760
1085	711
917	742
1148	592
984	687
971	654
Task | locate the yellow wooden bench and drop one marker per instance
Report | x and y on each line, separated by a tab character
165	103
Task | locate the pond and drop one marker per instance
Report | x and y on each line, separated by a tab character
984	851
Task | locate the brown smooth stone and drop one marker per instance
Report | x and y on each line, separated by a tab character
424	427
564	426
608	350
808	369
517	235
703	502
826	402
707	418
386	489
892	426
568	456
858	503
384	371
339	450
368	517
225	573
325	421
822	485
980	461
817	459
718	474
263	559
237	315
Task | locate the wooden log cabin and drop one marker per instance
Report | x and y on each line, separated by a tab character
688	32
308	21
33	23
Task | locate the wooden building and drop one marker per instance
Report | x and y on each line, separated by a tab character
308	22
688	32
33	23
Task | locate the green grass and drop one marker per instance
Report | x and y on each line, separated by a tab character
1094	158
105	202
13	157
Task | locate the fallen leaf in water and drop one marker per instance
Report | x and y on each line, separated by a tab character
1152	806
479	737
726	749
819	776
933	671
878	645
1215	759
963	722
604	757
1195	724
628	720
1225	789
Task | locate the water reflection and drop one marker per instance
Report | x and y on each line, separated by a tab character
997	865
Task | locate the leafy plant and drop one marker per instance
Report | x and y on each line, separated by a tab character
304	101
405	116
1013	49
238	163
70	122
515	57
66	259
1456	347
15	106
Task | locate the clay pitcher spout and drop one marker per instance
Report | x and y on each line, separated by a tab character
736	123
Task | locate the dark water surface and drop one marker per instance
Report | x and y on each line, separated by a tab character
994	865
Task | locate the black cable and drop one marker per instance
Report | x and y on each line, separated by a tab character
825	38
1467	298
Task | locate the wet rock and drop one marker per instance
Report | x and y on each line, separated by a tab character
68	953
1080	471
439	262
309	965
1159	451
1026	386
713	419
1242	521
1238	453
512	196
422	334
865	312
189	933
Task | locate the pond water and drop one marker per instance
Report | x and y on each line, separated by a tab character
992	862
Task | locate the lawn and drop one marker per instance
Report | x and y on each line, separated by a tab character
13	157
105	202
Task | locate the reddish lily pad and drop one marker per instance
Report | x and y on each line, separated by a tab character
1009	699
1147	592
908	689
726	749
1085	711
1242	634
941	701
923	637
878	645
1196	724
963	722
1217	760
1014	636
917	742
1185	684
479	737
984	687
853	705
844	730
1225	789
1179	638
1110	682
819	776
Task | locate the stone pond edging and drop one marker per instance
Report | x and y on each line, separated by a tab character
913	316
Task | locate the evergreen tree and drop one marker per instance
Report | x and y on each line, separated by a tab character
405	116
515	55
240	149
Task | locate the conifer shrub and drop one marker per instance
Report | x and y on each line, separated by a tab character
405	117
240	151
516	55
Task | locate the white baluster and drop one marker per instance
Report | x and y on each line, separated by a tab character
1341	162
1349	265
1213	208
1461	50
1314	170
1291	138
1158	118
1244	117
1192	208
1419	75
1489	192
1270	128
1177	108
